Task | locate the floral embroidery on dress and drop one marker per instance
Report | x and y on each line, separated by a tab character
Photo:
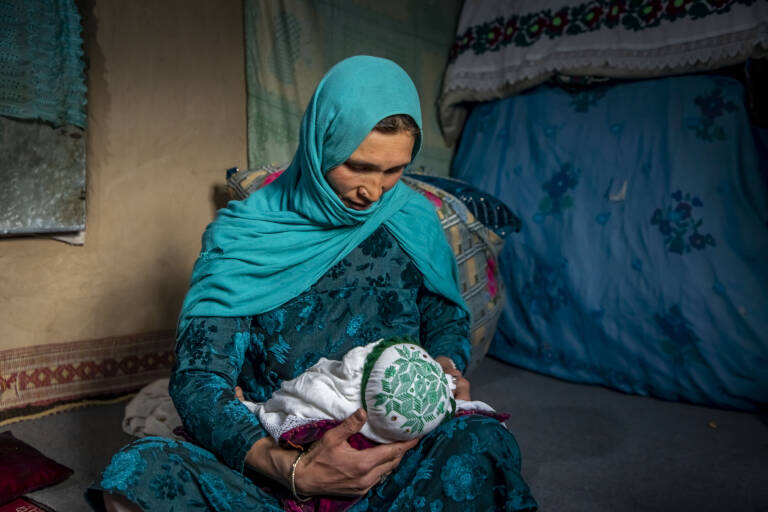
681	230
198	343
367	335
354	324
217	492
339	269
425	470
360	506
124	470
404	501
310	316
376	245
513	499
234	412
450	428
463	477
165	487
408	466
344	291
240	340
279	349
273	321
410	276
304	362
390	307
380	282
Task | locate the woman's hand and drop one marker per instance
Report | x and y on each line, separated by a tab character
462	385
332	466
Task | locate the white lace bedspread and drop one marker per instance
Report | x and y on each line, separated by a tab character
502	48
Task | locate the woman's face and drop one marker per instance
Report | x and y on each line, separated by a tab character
372	170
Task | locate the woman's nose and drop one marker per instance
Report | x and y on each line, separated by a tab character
372	188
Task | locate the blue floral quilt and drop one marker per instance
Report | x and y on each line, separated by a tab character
642	263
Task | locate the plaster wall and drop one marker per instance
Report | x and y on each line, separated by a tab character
166	116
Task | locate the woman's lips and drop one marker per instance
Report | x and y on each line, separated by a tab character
357	206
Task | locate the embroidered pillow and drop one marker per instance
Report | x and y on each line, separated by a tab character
25	505
486	208
405	391
24	469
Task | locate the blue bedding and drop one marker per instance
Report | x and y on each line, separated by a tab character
642	263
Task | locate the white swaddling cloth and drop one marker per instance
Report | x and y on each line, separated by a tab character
407	394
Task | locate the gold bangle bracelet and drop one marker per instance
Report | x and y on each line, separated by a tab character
293	478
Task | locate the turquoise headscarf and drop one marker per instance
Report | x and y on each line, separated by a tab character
267	249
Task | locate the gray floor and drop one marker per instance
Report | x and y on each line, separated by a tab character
585	448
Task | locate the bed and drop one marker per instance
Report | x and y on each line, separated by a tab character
642	262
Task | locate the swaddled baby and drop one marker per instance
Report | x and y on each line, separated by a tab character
403	389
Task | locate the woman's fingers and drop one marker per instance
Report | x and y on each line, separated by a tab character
346	428
239	393
386	453
381	471
462	391
334	467
446	363
399	449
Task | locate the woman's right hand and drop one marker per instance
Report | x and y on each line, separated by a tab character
332	466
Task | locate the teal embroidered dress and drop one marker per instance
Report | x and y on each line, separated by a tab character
469	463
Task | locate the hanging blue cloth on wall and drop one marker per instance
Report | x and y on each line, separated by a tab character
41	65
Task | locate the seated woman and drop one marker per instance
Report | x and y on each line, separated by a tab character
334	254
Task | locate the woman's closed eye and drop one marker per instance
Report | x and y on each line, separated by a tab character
371	168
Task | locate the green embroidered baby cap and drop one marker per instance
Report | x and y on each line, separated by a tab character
405	391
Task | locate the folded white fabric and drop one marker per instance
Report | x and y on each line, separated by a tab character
151	412
404	391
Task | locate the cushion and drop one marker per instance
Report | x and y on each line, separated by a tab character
486	208
25	505
24	469
475	246
476	249
405	391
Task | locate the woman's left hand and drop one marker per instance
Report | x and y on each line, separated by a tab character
462	385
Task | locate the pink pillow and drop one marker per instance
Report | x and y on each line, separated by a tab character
24	469
25	505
